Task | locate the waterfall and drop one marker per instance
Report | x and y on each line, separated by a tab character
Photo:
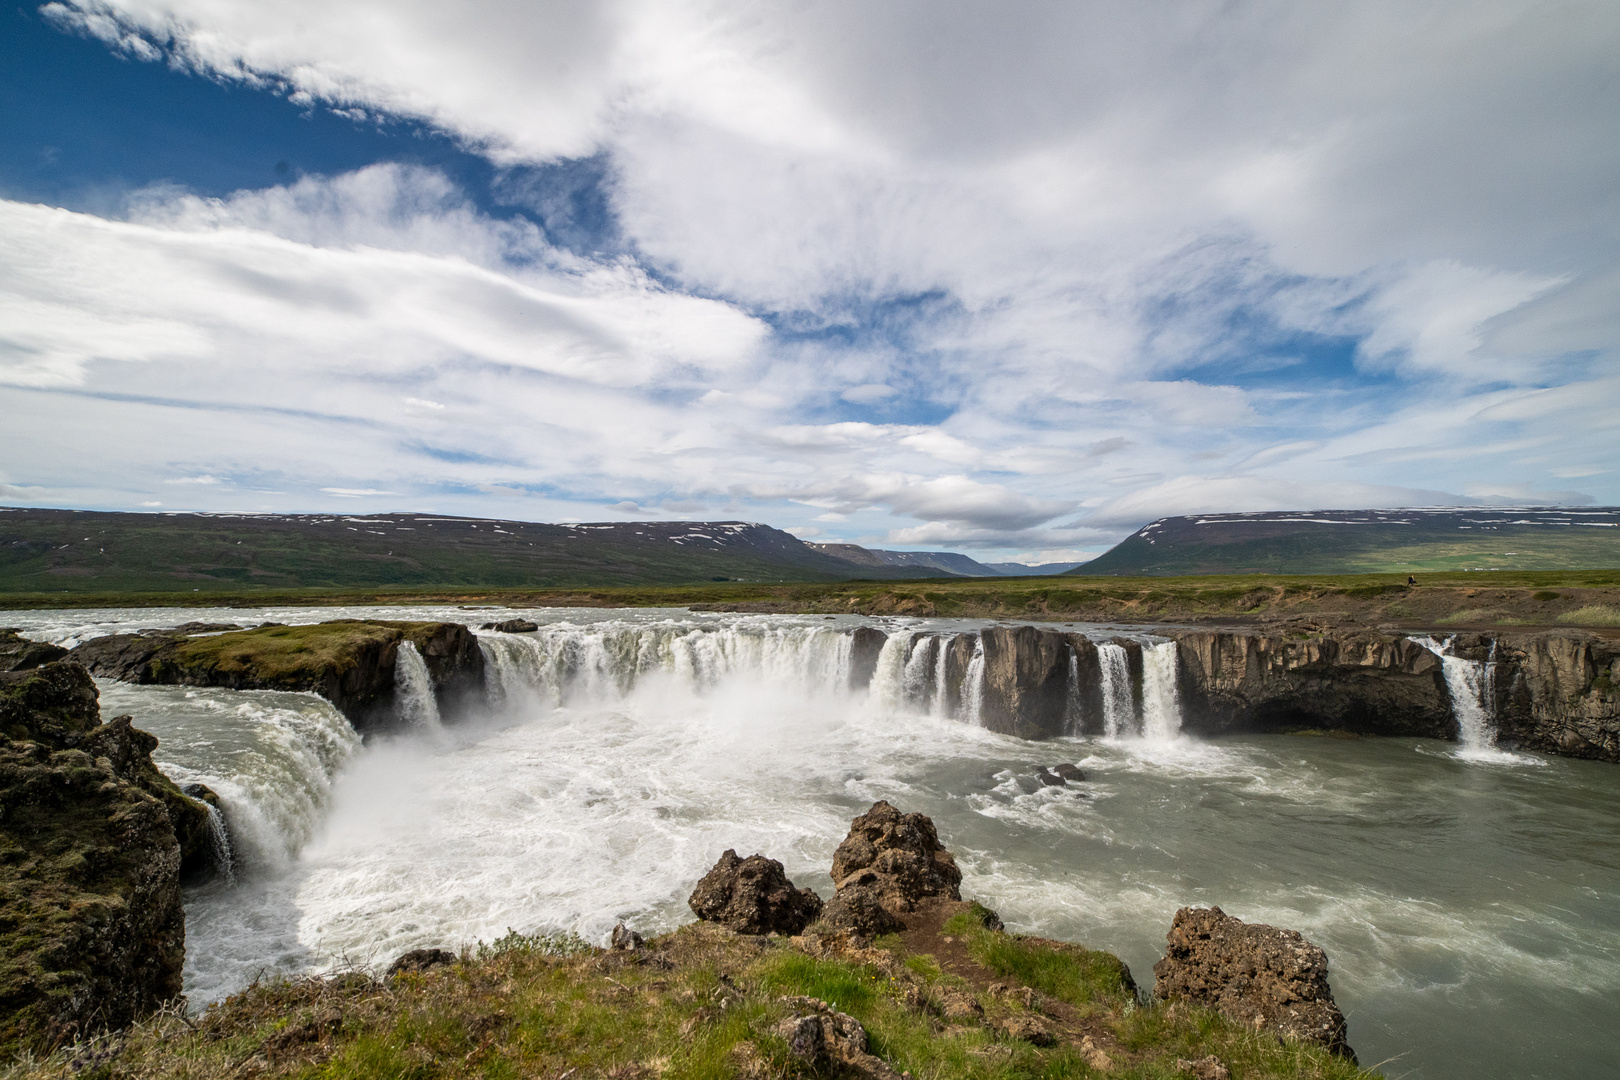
942	695
917	679
1071	702
1471	686
219	841
973	686
563	664
889	678
1161	701
413	689
1119	710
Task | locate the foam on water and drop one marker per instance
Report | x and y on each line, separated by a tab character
1467	911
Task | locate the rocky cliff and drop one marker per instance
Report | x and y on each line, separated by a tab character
349	662
1558	693
1555	691
1359	681
93	842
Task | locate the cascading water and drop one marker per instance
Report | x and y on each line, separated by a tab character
219	842
1161	700
1072	720
1119	710
973	686
562	664
917	680
888	687
942	697
1470	684
413	690
270	756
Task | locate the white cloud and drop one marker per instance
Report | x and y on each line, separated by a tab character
1070	220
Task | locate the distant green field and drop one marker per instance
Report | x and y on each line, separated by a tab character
1367	542
1442	601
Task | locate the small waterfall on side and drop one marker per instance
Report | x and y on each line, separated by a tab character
1119	710
973	686
1161	700
1471	686
413	689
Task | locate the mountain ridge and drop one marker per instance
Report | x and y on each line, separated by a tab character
1400	540
47	550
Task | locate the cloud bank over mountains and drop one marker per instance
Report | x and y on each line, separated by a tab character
1014	279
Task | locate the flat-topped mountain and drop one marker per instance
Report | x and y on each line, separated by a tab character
48	551
1369	541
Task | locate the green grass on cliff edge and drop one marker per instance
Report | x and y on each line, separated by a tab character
1530	598
700	1004
285	653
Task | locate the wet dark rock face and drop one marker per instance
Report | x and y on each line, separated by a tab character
17	653
93	839
1261	976
753	896
1358	680
512	626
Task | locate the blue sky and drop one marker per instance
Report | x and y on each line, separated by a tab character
1006	283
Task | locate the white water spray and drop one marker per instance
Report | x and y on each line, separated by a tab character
917	680
888	688
942	696
1119	711
413	690
1161	700
219	842
1071	704
1470	684
973	686
565	664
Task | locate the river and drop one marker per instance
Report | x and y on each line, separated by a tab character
1469	904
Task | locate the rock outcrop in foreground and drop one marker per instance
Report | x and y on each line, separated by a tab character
952	994
887	864
1255	974
753	896
93	840
349	662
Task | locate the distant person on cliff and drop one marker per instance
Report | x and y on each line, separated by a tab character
1410	580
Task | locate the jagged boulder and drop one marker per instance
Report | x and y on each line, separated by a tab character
17	653
825	1039
1262	976
859	909
89	863
897	859
753	896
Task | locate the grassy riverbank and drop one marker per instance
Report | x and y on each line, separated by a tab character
1586	598
944	999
